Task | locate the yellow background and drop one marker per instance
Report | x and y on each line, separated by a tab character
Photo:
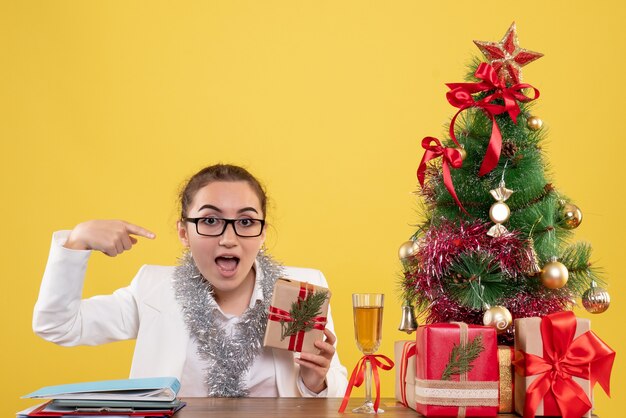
107	106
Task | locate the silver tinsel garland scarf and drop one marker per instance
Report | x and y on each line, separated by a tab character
228	356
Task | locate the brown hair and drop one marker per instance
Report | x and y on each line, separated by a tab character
219	172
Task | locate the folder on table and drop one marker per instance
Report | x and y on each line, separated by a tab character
140	389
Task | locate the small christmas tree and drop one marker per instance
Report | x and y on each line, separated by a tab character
494	244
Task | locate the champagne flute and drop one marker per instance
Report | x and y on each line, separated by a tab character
368	320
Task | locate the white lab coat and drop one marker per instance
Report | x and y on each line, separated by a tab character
147	311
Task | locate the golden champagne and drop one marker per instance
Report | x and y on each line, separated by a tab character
368	322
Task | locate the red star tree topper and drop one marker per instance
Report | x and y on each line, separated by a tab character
506	56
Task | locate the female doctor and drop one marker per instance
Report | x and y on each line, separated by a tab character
202	321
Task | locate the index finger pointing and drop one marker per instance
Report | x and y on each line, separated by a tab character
137	230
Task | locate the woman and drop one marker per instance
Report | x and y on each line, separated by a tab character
202	321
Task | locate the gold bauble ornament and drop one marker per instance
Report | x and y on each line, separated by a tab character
407	249
498	317
571	216
534	123
596	299
554	274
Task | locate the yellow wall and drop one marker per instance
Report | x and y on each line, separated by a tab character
106	106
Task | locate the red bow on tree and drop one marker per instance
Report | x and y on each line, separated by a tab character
587	357
450	157
460	95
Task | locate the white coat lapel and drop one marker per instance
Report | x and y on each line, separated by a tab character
163	337
286	373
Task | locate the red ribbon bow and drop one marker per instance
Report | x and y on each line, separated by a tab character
280	315
450	157
358	377
587	357
460	95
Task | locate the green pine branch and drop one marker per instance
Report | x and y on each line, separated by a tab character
302	313
540	222
576	258
462	356
475	279
471	69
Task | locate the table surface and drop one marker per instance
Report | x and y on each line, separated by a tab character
284	407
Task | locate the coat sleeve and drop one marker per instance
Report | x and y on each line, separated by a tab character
63	317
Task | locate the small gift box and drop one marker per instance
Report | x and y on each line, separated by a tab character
557	362
404	356
456	370
297	316
505	361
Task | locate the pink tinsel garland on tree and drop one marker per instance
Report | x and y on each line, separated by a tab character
438	249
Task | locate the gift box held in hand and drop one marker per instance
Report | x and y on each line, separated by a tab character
557	362
297	316
404	357
456	370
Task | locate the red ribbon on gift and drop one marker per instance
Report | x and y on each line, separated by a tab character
460	95
587	357
358	377
408	350
280	315
450	157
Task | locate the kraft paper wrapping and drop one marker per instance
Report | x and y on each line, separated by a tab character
406	365
528	339
287	291
505	358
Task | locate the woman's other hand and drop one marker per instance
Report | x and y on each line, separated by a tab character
111	237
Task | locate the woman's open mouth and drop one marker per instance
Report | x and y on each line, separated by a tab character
227	264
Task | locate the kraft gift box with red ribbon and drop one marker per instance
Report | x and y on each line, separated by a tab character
282	320
404	356
557	362
456	370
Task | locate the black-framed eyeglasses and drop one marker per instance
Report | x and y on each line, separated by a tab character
214	227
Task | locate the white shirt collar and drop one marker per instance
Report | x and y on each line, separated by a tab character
257	292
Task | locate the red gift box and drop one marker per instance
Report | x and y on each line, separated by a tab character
470	393
557	362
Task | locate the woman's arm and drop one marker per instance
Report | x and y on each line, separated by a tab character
62	317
